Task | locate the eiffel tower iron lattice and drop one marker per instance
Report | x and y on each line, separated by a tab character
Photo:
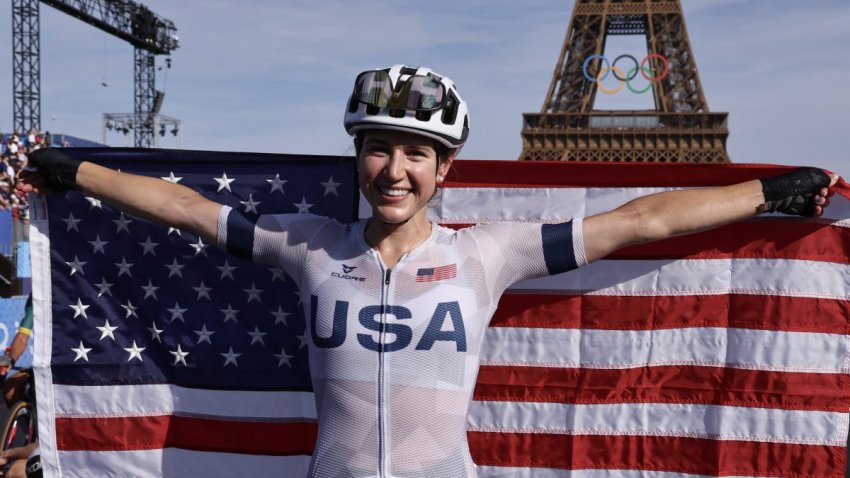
680	128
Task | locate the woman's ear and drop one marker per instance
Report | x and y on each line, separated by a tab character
445	166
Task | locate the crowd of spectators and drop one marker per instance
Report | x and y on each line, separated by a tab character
13	157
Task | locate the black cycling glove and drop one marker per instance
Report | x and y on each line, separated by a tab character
793	193
58	169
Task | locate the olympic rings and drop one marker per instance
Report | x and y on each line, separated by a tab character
644	67
615	90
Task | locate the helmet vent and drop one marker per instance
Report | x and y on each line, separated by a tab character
450	109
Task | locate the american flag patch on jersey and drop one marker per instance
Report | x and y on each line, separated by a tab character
431	274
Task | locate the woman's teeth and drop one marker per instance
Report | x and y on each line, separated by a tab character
393	192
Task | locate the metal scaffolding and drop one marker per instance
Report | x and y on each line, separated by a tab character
26	66
149	34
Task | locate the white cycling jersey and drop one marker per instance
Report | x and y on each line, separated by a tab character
394	353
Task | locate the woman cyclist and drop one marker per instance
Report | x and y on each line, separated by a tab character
394	341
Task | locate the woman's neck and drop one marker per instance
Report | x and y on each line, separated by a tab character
392	241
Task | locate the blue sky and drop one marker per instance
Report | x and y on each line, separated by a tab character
273	76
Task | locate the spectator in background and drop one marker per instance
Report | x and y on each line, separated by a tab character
13	389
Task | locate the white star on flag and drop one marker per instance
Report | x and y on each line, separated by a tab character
277	273
229	313
179	355
204	334
230	357
124	267
106	331
150	290
224	182
302	339
82	352
177	312
203	291
226	270
250	204
257	336
97	245
95	203
148	246
174	269
79	309
72	222
171	178
130	308
173	229
121	224
199	247
330	186
135	352
76	266
104	287
155	333
283	358
253	293
277	183
280	316
303	206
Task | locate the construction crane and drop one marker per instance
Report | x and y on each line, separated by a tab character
133	22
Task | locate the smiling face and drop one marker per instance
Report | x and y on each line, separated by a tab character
398	174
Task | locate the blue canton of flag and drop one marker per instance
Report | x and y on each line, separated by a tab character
137	302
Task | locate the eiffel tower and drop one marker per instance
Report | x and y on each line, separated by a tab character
679	129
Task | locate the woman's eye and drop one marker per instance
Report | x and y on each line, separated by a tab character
377	152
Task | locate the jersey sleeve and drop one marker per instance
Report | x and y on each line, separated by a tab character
276	240
512	252
25	326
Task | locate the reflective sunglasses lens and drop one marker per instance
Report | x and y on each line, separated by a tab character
373	88
424	94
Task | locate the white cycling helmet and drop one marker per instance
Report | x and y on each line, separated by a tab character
415	100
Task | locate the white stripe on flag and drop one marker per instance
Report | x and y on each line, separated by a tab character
786	277
705	346
481	205
661	419
165	399
174	462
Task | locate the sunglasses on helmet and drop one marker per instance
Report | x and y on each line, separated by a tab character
418	93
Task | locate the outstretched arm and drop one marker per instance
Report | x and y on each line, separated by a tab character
675	213
151	198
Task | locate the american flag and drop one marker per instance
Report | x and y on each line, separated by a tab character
431	274
723	353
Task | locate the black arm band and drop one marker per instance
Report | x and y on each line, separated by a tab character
793	193
58	169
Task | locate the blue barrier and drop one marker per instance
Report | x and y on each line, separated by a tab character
23	260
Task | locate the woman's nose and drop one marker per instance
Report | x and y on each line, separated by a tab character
395	167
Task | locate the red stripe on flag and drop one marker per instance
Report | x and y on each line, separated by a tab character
540	174
672	454
790	314
665	384
191	433
800	240
769	238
